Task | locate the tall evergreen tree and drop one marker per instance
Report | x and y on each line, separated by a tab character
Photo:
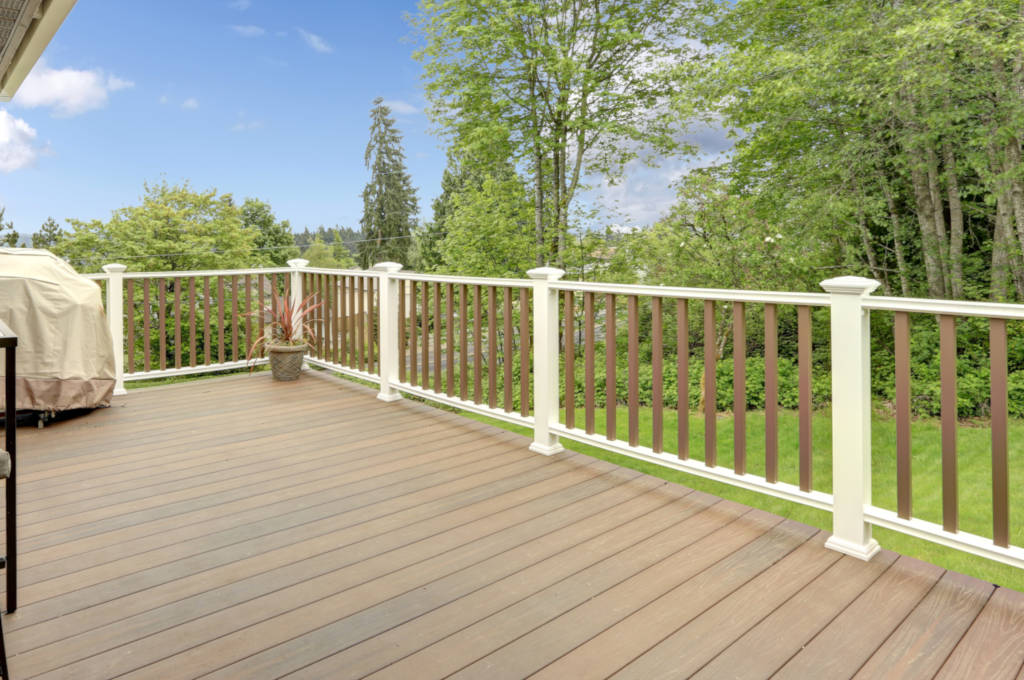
48	235
389	199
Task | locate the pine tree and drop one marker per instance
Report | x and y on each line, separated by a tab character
8	237
48	235
389	199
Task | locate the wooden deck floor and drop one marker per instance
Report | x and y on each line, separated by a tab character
241	528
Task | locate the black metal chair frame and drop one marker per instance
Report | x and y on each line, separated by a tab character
9	343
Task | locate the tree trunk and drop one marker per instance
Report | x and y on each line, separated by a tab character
939	219
897	237
929	239
999	288
956	223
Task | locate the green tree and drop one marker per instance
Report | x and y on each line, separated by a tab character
489	229
173	228
335	256
564	87
389	199
274	241
8	237
891	129
48	236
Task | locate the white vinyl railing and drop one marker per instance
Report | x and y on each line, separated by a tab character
394	297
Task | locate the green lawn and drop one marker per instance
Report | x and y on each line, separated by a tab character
974	476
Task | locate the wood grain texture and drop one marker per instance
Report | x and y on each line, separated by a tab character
993	647
922	643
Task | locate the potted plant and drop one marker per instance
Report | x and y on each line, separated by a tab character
285	335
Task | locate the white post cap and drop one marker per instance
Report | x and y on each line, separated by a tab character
297	263
850	285
546	273
114	268
388	267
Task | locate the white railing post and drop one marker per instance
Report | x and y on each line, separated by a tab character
115	317
851	416
388	330
296	283
545	359
297	296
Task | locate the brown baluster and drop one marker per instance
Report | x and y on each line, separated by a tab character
570	359
147	337
192	321
901	347
657	378
1000	465
804	360
633	369
492	348
610	391
130	313
710	391
449	382
682	380
771	393
177	322
524	351
739	388
948	406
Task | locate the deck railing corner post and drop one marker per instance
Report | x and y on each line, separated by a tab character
387	328
851	415
115	318
545	359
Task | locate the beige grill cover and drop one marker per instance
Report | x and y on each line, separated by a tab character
65	354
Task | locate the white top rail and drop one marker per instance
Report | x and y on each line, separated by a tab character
177	274
993	310
770	297
467	280
338	272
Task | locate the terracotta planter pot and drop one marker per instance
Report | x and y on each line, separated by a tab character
286	360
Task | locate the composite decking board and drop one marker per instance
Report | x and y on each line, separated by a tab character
636	526
208	643
427	543
501	628
220	460
619	644
766	647
682	652
308	544
92	595
922	643
531	652
993	647
300	651
183	472
433	453
187	540
74	511
334	555
879	610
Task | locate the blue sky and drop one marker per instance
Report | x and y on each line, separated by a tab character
259	98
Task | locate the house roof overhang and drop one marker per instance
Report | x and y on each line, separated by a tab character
26	28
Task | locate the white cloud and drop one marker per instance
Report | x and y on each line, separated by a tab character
247	125
249	31
400	107
240	5
317	43
17	143
68	91
190	104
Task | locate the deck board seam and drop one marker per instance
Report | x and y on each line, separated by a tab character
221	547
374	536
377	576
614	585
